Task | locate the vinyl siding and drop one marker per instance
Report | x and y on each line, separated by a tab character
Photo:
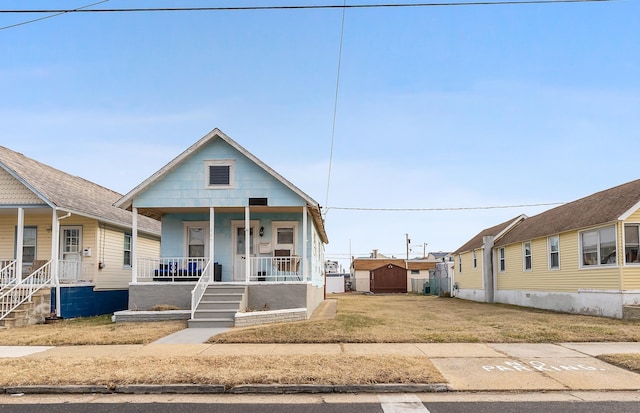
569	278
631	272
185	186
114	274
469	278
13	192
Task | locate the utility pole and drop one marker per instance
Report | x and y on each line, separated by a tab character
408	241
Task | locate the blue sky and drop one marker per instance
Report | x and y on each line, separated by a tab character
438	107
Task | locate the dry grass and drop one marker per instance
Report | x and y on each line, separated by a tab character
88	331
227	370
626	361
429	319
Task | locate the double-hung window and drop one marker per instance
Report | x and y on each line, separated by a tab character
598	246
631	243
526	255
502	265
459	264
475	259
127	250
554	252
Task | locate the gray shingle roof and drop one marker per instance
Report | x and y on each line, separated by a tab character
477	241
71	193
600	208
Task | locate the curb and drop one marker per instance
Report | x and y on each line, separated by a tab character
220	389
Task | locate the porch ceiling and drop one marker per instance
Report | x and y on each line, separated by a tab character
157	213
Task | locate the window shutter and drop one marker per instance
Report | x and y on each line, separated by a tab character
219	175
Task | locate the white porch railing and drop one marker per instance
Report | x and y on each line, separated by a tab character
74	271
24	290
279	269
7	274
171	269
201	287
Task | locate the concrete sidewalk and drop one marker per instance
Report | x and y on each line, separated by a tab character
465	367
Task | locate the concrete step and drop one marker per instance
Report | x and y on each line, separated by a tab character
211	323
226	314
219	305
230	289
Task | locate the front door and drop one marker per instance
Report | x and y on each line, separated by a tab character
70	253
239	249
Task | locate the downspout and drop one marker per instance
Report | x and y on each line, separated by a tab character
55	255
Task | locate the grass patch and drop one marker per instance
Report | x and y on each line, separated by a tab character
227	370
625	361
429	319
88	331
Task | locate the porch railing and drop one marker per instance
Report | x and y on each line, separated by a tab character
23	290
171	269
73	271
7	274
201	287
278	269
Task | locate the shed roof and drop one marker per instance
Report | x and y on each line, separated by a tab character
68	193
495	231
600	208
369	264
126	202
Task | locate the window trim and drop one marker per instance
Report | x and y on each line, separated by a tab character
502	260
624	241
274	235
550	252
598	263
231	163
525	256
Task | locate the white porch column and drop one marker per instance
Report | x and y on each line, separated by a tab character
55	254
212	232
19	244
134	245
247	243
305	245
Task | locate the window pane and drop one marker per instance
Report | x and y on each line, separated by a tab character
590	248
631	234
285	235
554	244
555	260
608	245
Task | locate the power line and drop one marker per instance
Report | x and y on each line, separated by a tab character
446	208
299	7
56	14
335	109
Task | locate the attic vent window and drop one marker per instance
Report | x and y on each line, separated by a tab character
219	173
258	202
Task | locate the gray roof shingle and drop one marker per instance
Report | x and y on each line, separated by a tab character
600	208
71	193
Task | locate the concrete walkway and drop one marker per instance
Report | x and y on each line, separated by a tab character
465	366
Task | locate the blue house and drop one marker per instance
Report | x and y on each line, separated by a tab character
233	230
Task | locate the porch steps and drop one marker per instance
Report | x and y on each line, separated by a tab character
29	312
218	307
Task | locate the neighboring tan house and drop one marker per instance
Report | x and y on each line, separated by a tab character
581	257
388	275
62	232
230	225
472	265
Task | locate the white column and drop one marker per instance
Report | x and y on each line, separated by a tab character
212	232
55	253
305	249
134	245
247	245
19	244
